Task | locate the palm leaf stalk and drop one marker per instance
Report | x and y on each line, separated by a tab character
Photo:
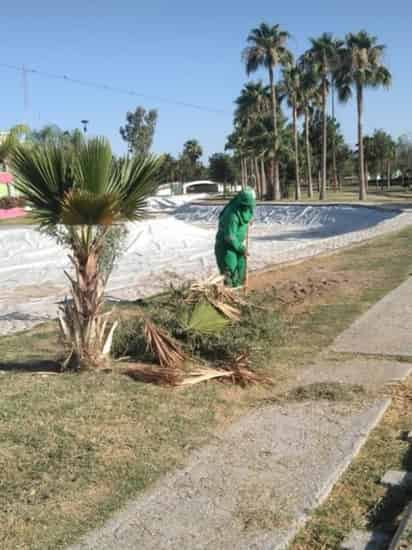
87	192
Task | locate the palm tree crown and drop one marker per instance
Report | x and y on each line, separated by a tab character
267	49
361	65
83	187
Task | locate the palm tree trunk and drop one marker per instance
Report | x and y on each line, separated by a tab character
81	318
272	175
362	187
389	174
242	173
322	194
275	191
308	155
297	172
257	178
263	177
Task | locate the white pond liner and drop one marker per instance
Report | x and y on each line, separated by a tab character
176	245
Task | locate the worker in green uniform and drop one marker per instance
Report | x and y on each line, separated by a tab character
230	248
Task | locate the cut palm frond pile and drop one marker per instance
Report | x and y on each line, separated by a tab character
166	350
195	333
222	298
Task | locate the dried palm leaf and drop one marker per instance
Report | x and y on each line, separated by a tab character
166	350
231	312
202	375
242	374
163	376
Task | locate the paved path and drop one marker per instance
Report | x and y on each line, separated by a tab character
252	489
255	486
386	329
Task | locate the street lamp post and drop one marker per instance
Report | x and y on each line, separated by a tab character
85	123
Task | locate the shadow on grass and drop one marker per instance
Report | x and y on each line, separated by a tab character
31	366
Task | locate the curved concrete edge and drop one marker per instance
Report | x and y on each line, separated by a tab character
335	476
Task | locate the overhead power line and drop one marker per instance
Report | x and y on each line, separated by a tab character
113	89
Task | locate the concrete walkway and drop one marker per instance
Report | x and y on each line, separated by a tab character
255	487
386	329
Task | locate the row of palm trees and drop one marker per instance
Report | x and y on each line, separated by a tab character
260	137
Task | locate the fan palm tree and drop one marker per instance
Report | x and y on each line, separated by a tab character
361	67
310	93
86	191
292	88
267	48
252	104
323	57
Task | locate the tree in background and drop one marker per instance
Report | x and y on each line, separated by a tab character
334	134
252	106
139	130
404	156
48	134
222	168
384	149
190	166
323	58
310	100
13	137
168	168
51	134
361	66
291	87
267	49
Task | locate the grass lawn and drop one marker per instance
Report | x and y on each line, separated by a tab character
73	448
395	195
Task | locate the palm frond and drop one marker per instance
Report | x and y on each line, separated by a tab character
43	175
135	183
163	346
93	168
204	319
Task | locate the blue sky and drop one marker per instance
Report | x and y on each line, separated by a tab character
182	50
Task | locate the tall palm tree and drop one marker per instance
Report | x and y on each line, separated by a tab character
86	191
361	67
291	87
252	105
324	56
267	48
310	93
